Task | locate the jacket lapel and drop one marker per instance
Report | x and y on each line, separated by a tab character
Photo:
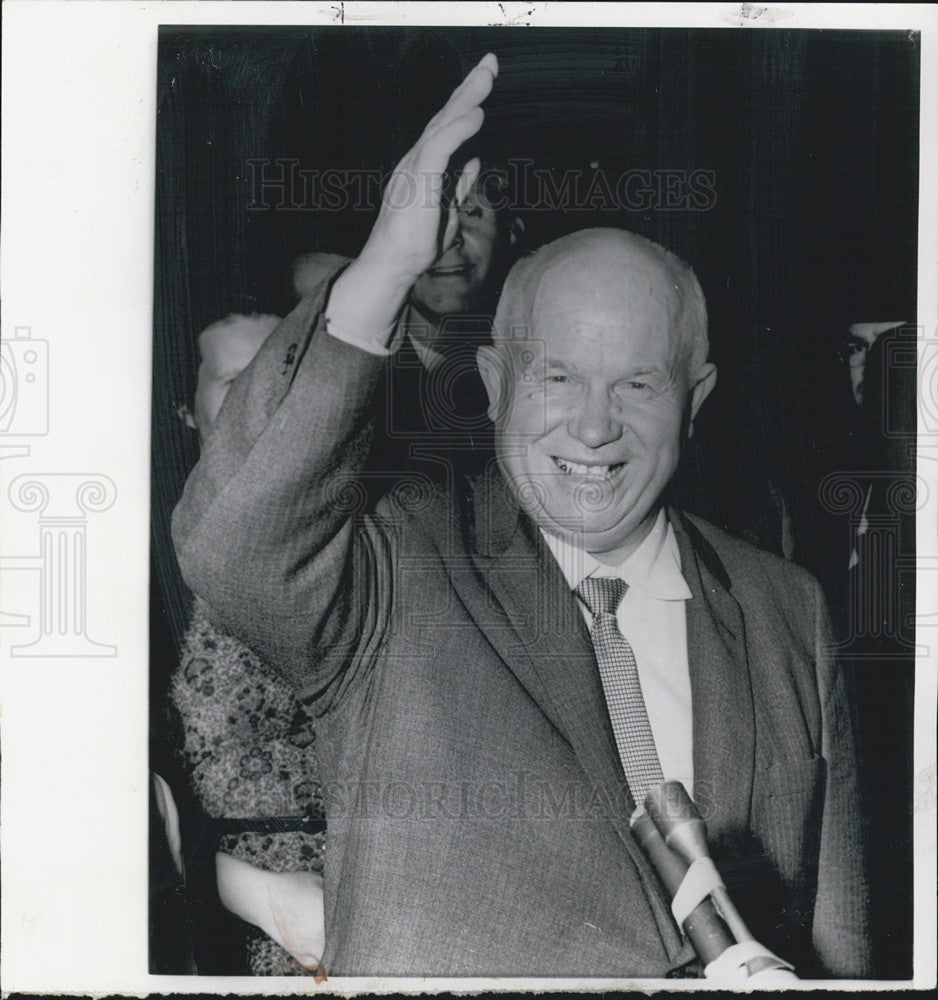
721	692
550	652
546	642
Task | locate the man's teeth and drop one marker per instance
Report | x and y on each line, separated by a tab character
594	471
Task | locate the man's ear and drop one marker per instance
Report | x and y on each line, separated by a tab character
491	367
515	231
706	379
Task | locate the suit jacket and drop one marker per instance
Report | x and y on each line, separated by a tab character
478	813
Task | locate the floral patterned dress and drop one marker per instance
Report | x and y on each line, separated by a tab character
249	750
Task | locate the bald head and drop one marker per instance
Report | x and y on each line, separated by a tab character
610	270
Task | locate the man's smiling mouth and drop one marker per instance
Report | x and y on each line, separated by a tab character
455	270
569	468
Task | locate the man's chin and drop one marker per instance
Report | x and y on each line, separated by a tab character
598	536
435	307
572	526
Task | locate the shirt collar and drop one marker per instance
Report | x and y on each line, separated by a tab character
429	356
654	568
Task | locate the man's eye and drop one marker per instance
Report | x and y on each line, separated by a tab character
558	379
473	211
633	384
853	350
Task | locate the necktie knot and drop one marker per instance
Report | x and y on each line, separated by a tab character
601	594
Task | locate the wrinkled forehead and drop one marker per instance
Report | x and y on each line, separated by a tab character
604	290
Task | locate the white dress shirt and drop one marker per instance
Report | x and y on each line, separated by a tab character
389	342
652	616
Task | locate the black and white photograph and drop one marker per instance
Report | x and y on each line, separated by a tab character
531	432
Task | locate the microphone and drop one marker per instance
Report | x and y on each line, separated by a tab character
674	837
704	927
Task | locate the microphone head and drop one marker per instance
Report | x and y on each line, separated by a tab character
674	814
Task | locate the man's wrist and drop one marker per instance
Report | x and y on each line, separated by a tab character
365	302
386	269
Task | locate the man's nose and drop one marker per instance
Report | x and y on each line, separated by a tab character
597	421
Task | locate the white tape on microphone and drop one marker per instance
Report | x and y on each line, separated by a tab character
732	965
701	879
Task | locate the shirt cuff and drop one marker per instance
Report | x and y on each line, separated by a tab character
383	344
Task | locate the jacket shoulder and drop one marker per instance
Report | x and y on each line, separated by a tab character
310	270
423	505
744	566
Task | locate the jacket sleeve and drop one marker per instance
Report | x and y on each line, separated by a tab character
265	532
841	914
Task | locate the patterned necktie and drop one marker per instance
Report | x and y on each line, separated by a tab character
621	686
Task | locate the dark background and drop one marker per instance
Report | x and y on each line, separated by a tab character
812	140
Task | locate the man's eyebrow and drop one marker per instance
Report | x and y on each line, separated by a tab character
556	365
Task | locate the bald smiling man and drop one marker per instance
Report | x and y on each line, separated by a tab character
476	788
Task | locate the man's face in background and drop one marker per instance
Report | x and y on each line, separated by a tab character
450	285
860	338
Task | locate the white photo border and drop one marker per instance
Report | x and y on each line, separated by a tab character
79	89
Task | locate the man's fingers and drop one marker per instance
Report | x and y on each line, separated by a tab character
490	62
436	150
478	81
471	92
405	231
433	157
477	87
452	224
466	179
463	186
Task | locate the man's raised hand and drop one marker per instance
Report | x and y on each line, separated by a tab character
407	229
405	239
